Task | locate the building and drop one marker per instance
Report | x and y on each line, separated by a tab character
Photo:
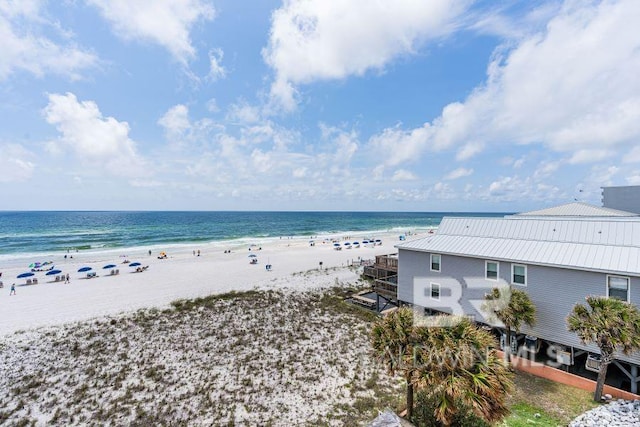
626	198
558	256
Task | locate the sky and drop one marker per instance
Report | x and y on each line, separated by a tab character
320	105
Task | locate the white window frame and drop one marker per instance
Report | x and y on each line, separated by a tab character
431	289
486	270
628	279
513	266
439	262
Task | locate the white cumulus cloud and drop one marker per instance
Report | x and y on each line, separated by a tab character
332	39
458	173
31	43
175	121
216	70
97	141
15	163
165	22
549	87
403	175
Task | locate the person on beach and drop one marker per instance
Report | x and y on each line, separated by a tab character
13	289
66	279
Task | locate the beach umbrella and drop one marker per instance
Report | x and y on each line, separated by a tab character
23	275
53	272
135	264
109	266
253	256
83	269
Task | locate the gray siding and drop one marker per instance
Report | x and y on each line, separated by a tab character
554	291
626	198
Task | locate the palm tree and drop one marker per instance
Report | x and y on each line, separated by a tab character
460	371
512	307
609	323
393	339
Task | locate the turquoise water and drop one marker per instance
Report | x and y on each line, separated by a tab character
26	233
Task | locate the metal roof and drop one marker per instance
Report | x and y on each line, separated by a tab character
577	209
602	244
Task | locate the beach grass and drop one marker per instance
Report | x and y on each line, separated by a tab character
257	357
239	358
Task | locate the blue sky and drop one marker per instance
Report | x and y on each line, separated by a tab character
392	105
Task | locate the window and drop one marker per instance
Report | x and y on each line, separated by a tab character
435	262
618	287
491	270
435	291
519	274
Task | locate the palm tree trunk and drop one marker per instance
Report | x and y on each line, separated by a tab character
409	396
602	375
507	352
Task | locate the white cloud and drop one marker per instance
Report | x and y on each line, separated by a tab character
458	173
176	121
514	188
442	190
25	46
589	155
97	141
333	39
546	169
300	173
216	70
549	88
634	179
15	163
403	175
397	146
164	22
633	156
345	144
212	105
243	112
469	150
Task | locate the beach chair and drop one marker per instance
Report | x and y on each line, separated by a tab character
112	272
117	271
35	281
28	281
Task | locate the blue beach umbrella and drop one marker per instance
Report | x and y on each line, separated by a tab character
23	275
83	269
109	266
53	272
134	264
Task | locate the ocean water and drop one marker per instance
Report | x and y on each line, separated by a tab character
42	233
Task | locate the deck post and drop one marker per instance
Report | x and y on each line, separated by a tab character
634	379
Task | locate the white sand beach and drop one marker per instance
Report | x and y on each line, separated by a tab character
181	275
287	355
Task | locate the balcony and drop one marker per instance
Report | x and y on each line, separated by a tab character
387	286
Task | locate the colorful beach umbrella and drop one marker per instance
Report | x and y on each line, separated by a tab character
53	272
23	275
83	269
